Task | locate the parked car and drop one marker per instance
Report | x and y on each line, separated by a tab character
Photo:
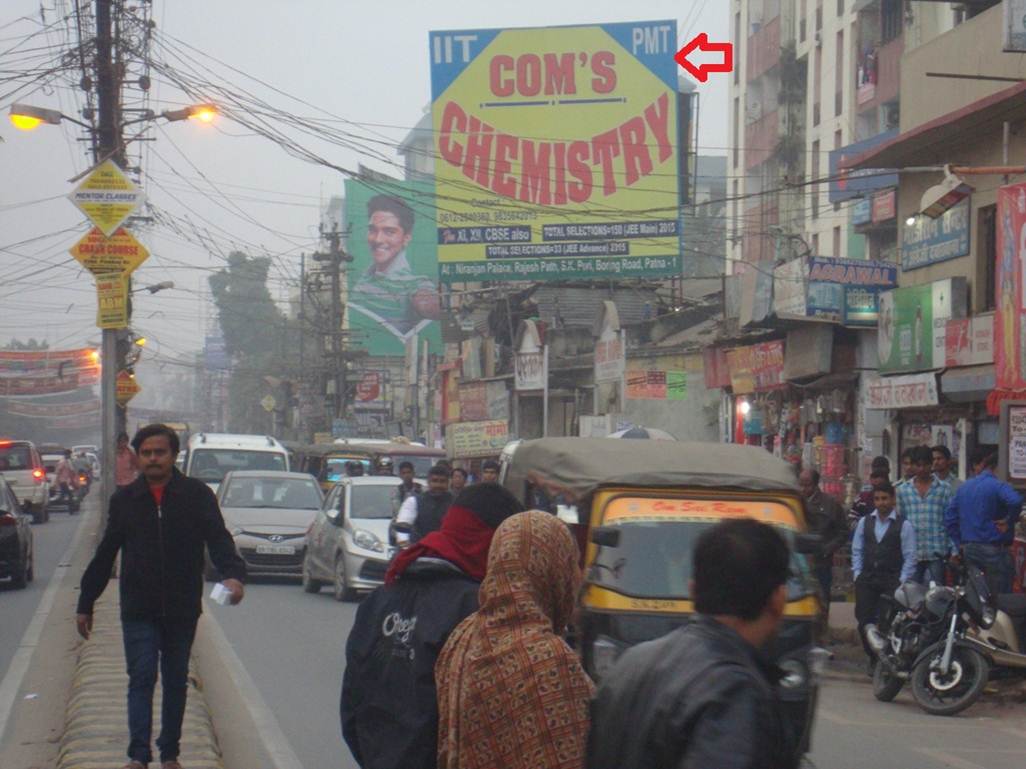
17	557
347	546
268	514
22	466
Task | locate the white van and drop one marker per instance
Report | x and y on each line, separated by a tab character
210	456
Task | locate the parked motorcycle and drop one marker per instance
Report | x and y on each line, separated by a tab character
908	625
984	636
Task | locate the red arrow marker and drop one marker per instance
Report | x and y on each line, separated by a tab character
701	43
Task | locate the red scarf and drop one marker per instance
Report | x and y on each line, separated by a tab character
464	540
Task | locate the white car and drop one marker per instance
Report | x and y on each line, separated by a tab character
23	468
210	456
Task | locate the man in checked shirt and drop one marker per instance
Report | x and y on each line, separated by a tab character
923	501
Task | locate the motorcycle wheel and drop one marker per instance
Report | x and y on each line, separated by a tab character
947	695
886	685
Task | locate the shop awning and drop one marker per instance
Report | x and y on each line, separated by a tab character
931	143
971	383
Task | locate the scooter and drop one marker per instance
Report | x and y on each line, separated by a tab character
985	637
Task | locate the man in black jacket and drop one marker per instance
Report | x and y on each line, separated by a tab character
388	707
704	696
160	523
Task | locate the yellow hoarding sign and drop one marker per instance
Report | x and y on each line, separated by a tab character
556	152
127	387
112	300
101	255
107	196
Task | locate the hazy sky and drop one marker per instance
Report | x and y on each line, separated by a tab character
364	61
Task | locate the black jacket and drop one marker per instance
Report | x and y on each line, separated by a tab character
161	572
697	698
389	707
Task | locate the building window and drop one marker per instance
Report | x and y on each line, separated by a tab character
986	250
837	242
840	7
815	179
819	15
737	209
837	146
737	47
891	19
817	84
839	74
803	20
815	244
737	131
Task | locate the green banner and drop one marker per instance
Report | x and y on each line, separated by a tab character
905	338
393	279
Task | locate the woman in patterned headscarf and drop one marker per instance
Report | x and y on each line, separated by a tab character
511	693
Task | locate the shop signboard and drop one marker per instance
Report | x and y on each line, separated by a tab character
790	291
913	324
1010	318
1016	442
847	185
862	212
899	392
465	440
531	373
498	400
757	367
715	368
885	206
969	341
848	290
474	401
541	136
656	385
929	241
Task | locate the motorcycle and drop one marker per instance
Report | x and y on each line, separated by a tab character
985	636
909	624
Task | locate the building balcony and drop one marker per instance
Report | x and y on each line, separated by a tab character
763	50
761	139
879	75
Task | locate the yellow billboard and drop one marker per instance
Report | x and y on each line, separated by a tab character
556	152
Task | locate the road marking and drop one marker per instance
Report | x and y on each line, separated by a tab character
268	730
947	759
22	658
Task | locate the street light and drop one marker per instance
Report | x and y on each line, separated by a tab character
205	113
25	117
164	284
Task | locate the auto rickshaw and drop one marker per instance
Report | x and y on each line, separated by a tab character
637	508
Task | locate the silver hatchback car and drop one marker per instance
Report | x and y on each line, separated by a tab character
347	546
268	513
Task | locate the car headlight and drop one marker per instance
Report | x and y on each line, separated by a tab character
795	674
604	654
368	541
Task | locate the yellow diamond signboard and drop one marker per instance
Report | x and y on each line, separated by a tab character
101	255
127	388
112	300
107	197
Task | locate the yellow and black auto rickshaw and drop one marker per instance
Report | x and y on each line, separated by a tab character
638	507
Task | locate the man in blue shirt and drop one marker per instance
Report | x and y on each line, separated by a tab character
981	520
883	555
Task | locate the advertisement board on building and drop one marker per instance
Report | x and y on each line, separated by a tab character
393	280
551	143
715	367
929	241
656	385
913	324
846	184
215	353
474	401
969	341
898	392
1017	443
885	206
465	440
1010	318
1014	26
756	368
790	291
848	290
862	212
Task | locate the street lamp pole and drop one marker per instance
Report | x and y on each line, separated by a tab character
108	144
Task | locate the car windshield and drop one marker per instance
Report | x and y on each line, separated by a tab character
657	536
335	467
211	465
285	493
15	457
371	501
421	464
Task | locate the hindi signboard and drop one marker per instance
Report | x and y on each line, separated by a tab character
969	341
465	440
929	241
898	392
553	147
756	368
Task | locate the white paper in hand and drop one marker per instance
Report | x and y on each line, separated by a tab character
220	594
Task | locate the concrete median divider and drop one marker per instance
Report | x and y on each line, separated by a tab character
96	722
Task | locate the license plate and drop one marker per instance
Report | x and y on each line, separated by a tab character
276	549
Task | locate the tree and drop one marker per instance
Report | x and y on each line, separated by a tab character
30	346
254	330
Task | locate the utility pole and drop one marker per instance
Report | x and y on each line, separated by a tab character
108	144
335	258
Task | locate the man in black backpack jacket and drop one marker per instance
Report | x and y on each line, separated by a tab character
388	708
160	523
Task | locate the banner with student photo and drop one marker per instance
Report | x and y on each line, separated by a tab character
393	292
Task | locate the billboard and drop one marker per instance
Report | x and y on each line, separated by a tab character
556	152
929	241
913	324
393	278
847	185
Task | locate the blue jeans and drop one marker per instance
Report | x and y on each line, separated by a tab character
994	561
149	644
934	569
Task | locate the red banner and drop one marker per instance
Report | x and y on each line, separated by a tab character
39	360
51	410
1009	336
756	368
714	363
40	385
